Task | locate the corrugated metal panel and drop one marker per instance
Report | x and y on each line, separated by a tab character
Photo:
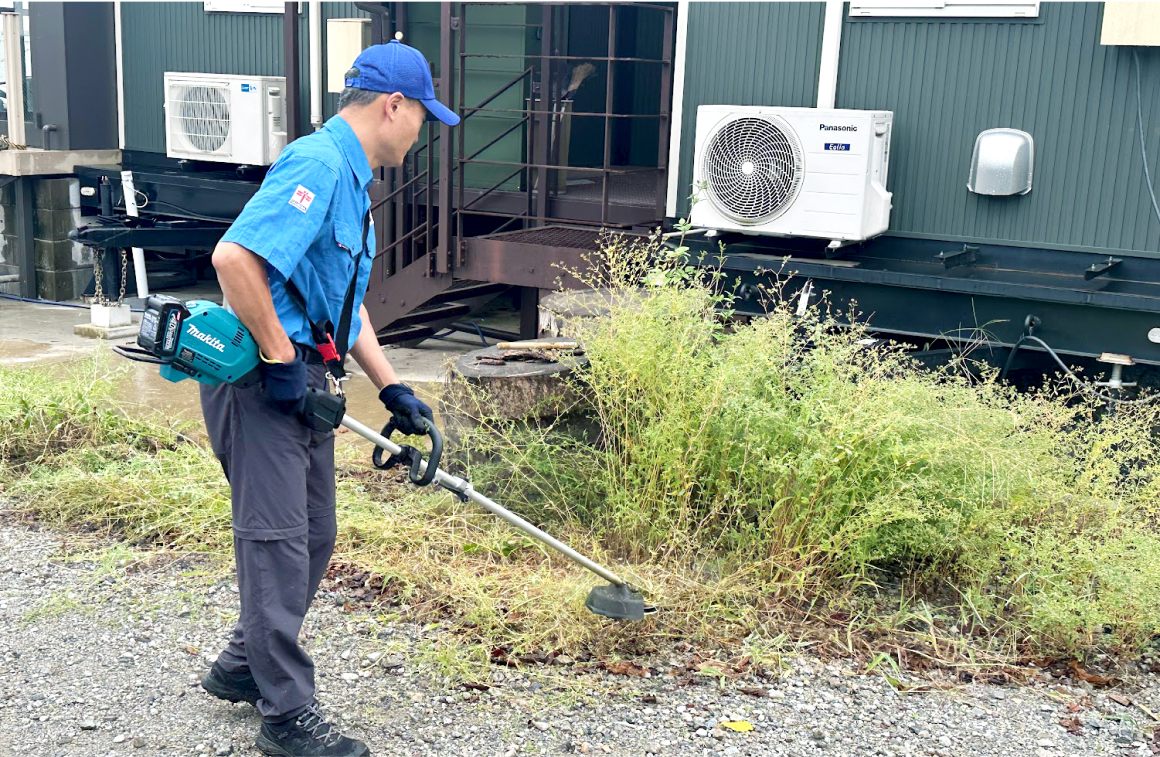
748	54
947	81
181	36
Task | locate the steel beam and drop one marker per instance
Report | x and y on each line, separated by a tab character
290	64
25	244
446	93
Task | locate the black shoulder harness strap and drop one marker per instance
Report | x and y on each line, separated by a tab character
326	340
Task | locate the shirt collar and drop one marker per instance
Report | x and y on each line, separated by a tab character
351	148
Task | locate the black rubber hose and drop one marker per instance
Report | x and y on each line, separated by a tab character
1085	386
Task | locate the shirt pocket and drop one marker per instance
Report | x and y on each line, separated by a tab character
348	237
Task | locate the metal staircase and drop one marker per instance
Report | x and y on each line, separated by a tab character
446	247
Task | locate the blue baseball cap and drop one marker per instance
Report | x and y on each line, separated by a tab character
395	67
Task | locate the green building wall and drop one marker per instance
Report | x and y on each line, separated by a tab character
181	36
946	81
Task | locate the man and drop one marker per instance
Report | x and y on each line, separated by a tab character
307	225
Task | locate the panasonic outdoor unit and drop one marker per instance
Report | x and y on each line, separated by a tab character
796	172
227	119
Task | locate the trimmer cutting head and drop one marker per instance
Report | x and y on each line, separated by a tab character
618	602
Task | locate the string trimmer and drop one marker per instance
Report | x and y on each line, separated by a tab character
204	341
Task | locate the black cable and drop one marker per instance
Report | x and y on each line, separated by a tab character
57	303
1085	386
1140	124
191	213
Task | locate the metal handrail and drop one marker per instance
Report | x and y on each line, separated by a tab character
507	131
470	111
596	58
589	113
494	187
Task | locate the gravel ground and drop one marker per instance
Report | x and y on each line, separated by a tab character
101	656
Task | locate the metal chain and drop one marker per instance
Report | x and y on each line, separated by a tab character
124	273
98	266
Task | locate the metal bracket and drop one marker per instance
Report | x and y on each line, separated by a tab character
455	23
837	248
967	256
1099	269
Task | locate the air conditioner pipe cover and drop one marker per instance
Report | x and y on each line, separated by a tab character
1002	163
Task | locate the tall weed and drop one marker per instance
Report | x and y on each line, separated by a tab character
793	449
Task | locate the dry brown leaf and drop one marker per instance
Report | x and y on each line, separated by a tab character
191	650
624	668
1120	699
1073	726
1074	707
1092	678
753	691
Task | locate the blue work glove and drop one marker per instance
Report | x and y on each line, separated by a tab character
285	384
407	412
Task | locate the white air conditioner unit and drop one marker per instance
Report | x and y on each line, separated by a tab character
228	119
799	172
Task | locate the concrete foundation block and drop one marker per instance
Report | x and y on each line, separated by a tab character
8	249
111	316
62	285
8	220
102	332
54	225
56	194
61	255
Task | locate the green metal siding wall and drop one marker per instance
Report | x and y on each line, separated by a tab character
948	81
181	36
747	54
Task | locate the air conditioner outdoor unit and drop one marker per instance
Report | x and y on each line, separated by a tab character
228	119
800	172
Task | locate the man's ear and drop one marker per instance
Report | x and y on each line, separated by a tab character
393	104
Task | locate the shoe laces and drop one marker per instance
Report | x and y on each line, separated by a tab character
315	724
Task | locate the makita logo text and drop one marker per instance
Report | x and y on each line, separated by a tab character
171	332
211	341
824	127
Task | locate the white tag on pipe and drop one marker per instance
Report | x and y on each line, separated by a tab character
130	193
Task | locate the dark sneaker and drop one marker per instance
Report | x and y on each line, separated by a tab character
308	735
232	687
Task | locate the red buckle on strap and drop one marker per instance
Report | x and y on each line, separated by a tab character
328	351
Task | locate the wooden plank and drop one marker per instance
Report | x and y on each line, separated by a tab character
537	344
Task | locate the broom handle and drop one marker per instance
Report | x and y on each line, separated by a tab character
463	488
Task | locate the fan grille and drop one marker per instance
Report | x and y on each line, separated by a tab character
753	168
204	115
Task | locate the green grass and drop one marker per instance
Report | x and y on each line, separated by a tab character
770	484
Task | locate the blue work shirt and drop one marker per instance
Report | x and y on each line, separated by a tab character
306	222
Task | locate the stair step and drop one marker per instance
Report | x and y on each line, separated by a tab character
466	290
413	334
430	314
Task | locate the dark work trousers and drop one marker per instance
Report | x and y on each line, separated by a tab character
281	478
